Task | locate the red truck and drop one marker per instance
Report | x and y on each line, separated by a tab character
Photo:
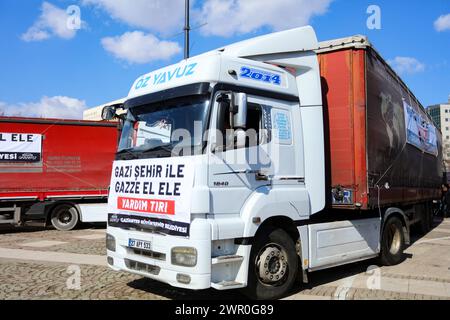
55	171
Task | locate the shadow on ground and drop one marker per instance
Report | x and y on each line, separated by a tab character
169	292
9	229
337	273
317	278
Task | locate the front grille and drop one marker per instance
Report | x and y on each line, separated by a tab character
148	230
142	267
150	254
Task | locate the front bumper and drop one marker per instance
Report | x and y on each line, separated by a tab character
156	264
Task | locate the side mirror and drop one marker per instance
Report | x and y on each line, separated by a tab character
108	113
239	107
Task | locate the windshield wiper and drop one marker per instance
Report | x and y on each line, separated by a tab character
165	147
134	152
127	150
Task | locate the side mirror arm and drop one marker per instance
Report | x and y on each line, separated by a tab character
110	112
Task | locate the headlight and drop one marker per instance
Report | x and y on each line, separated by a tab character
110	243
184	256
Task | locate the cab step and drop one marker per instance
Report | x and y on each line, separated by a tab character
226	285
11	215
227	259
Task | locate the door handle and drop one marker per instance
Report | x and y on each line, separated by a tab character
259	176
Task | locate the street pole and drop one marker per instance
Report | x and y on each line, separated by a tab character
187	28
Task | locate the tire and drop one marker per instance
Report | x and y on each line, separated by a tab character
430	217
426	220
64	217
392	242
423	225
274	246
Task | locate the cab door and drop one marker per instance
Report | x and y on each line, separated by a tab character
235	172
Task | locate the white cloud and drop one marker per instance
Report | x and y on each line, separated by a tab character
442	23
53	21
138	47
407	65
161	16
59	107
228	17
224	17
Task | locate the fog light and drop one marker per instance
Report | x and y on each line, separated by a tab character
110	261
184	256
183	278
110	243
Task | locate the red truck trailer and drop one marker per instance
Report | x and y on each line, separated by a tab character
55	171
382	148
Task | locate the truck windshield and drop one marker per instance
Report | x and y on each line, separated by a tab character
160	127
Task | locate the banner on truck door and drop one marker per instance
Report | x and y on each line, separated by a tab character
152	194
20	147
420	132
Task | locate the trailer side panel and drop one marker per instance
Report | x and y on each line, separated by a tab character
76	160
370	135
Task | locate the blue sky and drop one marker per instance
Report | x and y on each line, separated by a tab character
47	70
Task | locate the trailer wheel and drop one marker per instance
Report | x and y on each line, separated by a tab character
64	217
273	265
392	242
424	224
426	219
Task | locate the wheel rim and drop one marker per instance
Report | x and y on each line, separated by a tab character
64	216
272	265
394	239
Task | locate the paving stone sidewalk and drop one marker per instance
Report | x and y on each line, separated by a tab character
425	274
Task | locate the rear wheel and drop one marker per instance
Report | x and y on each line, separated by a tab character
273	265
392	242
426	219
64	217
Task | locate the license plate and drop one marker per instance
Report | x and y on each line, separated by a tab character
139	244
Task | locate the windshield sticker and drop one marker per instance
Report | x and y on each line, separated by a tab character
166	76
282	126
156	193
160	130
260	75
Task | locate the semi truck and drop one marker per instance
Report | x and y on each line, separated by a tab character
55	172
344	161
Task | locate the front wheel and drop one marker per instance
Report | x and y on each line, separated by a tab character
64	217
392	242
273	265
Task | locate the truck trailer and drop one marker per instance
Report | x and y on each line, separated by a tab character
55	171
347	161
